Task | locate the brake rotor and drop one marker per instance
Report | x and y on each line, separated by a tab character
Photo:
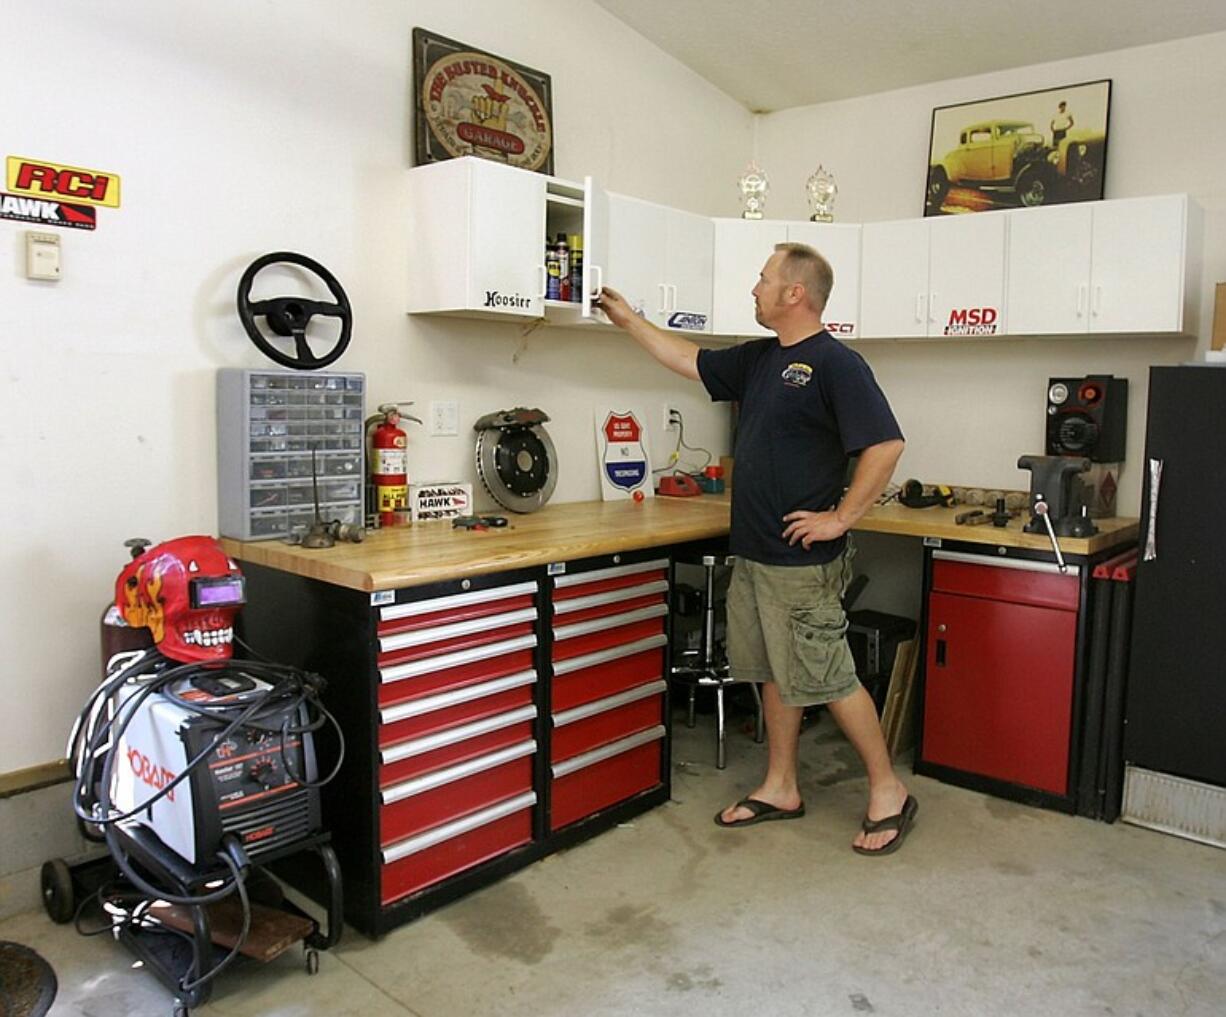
516	460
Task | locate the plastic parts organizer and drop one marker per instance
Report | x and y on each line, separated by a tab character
268	424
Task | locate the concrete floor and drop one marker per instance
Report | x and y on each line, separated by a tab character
991	908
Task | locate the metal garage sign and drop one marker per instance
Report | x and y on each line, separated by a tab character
470	102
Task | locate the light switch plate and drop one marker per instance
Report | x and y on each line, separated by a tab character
42	255
444	419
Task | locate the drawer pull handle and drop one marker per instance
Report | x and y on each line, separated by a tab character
465	824
613	653
568	766
941	652
608	703
581	578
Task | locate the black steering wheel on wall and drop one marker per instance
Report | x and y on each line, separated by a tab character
288	316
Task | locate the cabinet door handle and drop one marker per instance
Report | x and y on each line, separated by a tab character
662	306
597	280
919	307
1081	300
672	296
1098	301
1151	531
544	282
932	305
940	653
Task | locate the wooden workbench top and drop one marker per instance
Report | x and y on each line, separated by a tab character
429	552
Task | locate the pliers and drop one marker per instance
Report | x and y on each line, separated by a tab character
478	522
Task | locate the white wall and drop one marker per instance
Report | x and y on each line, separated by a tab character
970	409
239	128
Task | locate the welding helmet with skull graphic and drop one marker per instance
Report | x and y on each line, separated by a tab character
186	591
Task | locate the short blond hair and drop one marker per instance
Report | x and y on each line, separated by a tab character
802	264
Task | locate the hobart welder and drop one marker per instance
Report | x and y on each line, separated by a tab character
197	771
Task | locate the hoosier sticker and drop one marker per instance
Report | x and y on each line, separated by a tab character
47	213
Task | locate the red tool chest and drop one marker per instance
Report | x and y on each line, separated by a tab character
1001	654
608	733
488	721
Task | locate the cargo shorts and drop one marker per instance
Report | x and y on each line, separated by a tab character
786	624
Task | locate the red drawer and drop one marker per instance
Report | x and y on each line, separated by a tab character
588	584
606	675
429	858
416	756
564	618
581	792
606	721
607	638
447	644
417	678
1017	581
422	715
451	616
452	792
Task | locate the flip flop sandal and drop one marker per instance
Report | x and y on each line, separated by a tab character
902	822
761	813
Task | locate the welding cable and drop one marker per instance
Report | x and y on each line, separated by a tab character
230	847
287	731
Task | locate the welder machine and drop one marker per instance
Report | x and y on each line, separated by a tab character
197	771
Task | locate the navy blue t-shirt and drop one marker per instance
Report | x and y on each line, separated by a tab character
805	409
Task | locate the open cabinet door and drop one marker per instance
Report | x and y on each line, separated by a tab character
595	243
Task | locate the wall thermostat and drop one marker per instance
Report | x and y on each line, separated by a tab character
42	255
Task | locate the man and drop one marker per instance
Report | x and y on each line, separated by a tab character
807	404
1061	124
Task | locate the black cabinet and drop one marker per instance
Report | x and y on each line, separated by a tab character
1176	698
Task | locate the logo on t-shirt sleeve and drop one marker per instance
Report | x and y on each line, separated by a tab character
797	375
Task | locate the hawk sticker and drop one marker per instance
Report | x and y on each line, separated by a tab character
797	375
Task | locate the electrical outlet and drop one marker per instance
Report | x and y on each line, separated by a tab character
444	419
672	418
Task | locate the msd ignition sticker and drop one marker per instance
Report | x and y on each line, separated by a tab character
624	458
474	103
972	321
47	213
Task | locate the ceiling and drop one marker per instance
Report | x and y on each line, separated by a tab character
775	54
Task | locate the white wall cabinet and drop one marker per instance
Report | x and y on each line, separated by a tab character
741	249
661	260
477	234
478	231
1119	266
839	244
933	277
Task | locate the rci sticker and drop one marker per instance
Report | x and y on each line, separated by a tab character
51	180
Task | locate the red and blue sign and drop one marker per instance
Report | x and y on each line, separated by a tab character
625	459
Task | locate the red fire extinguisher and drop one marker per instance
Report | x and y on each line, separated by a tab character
389	464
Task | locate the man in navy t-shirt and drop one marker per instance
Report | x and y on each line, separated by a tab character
807	404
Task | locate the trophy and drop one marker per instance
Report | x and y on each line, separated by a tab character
822	192
753	186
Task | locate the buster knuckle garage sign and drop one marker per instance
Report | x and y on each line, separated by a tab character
470	102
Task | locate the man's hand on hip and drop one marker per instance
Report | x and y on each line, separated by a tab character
812	527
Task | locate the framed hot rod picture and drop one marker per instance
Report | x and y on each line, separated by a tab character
469	102
1034	148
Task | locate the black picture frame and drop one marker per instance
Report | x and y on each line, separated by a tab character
467	101
1043	147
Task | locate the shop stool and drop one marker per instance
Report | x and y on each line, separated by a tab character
707	665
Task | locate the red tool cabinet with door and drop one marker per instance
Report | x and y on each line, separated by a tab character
1004	652
488	721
